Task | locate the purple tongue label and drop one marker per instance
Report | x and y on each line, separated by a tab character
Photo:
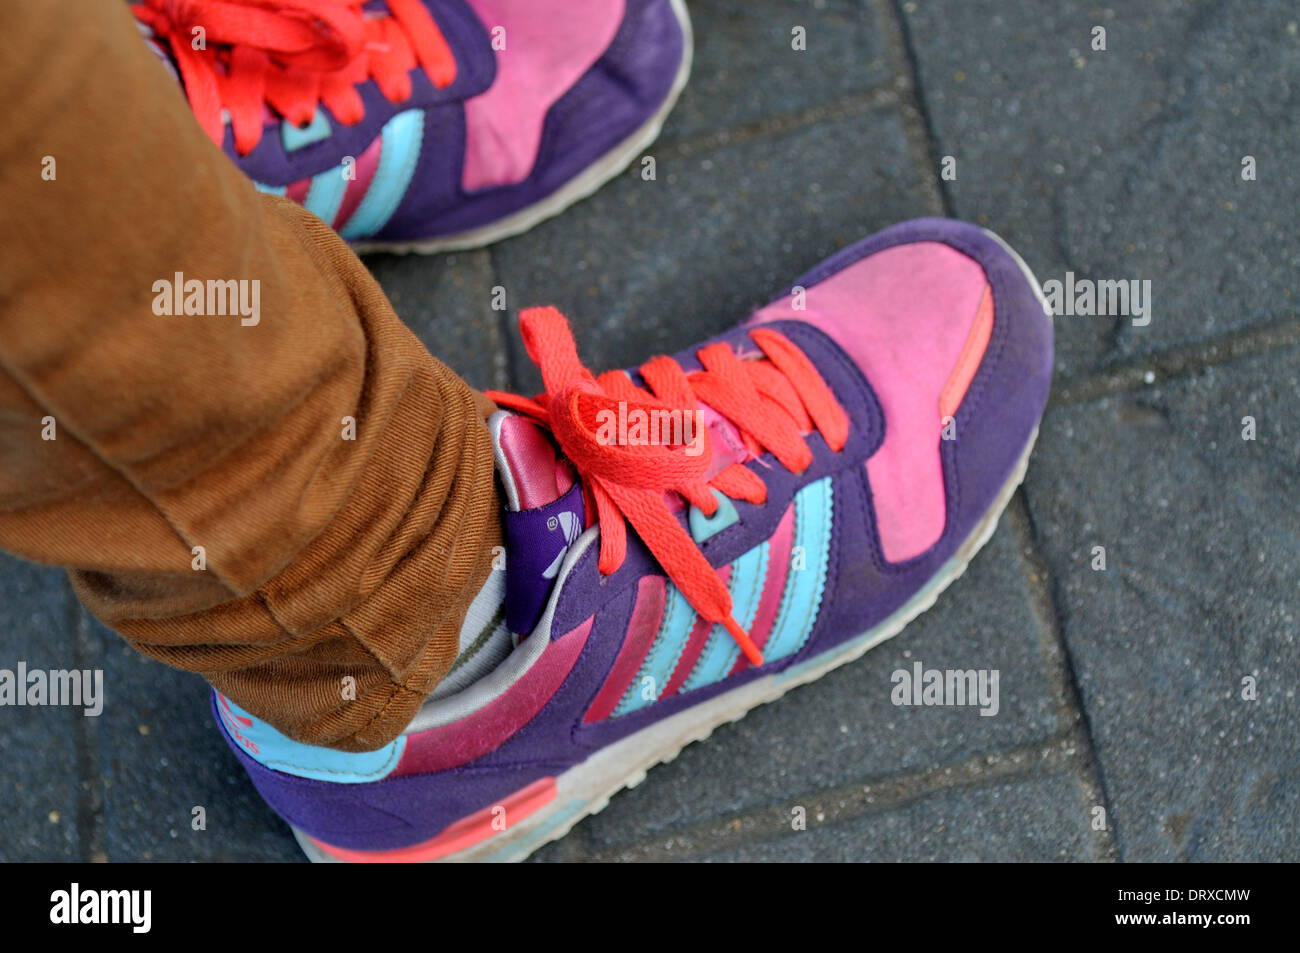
536	541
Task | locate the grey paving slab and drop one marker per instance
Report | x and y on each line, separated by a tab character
845	727
573	848
447	301
160	757
747	69
1202	544
1125	163
647	267
1029	820
39	790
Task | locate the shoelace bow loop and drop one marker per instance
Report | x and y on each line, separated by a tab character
770	402
236	55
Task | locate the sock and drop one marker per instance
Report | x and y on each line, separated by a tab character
159	50
484	639
532	476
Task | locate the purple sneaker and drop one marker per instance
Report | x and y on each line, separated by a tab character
798	489
427	125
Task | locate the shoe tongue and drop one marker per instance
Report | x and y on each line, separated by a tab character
544	515
545	511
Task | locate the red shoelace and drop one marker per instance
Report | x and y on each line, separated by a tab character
773	401
292	55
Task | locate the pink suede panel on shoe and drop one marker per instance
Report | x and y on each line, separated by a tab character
903	315
550	44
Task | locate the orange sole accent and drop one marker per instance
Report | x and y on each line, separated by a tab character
972	352
465	833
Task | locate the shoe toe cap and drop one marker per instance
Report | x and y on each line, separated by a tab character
948	328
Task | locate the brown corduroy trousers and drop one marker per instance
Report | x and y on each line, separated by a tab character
298	507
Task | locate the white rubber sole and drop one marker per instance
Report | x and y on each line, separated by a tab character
586	788
575	190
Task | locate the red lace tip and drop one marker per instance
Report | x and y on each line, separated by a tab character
444	77
744	641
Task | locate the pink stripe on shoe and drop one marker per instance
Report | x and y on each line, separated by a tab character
357	188
695	644
647	613
473	736
297	191
465	833
779	548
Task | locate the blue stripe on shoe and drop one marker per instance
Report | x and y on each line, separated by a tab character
661	660
269	189
748	573
325	194
403	139
264	744
806	580
800	603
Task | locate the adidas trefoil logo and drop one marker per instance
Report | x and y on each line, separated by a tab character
568	523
